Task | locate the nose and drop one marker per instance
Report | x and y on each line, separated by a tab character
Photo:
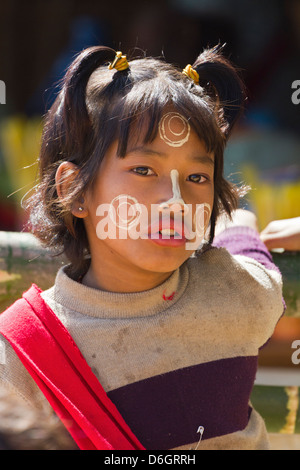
175	206
176	203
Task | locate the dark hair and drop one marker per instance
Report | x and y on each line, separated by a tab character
96	106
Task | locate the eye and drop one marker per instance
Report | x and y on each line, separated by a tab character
196	178
143	171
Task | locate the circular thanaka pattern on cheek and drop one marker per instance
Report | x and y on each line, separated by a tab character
174	129
201	218
125	211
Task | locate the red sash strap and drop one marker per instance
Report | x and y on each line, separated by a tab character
52	358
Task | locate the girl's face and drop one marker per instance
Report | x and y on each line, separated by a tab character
165	180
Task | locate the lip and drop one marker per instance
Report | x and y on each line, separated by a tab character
165	240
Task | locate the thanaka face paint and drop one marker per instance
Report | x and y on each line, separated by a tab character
197	226
131	218
176	198
174	129
125	211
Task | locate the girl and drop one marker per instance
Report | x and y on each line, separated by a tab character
149	338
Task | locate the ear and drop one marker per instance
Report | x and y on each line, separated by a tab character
64	177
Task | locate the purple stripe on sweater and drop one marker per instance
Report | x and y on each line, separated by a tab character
165	411
245	241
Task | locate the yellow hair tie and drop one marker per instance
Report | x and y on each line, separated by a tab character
119	63
191	73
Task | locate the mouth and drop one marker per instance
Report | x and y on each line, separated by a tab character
168	233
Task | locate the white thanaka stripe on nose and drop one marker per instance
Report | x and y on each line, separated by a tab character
175	187
176	198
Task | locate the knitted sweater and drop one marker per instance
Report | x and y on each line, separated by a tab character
180	355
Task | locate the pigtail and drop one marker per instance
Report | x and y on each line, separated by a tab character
221	81
67	136
74	90
69	117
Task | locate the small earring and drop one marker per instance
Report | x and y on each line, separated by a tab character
80	209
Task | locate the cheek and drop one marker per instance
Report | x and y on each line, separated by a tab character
204	206
211	197
201	195
107	186
111	206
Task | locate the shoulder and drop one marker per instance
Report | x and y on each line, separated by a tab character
239	283
20	313
15	378
224	266
235	271
15	324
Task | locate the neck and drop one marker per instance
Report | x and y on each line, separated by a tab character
107	275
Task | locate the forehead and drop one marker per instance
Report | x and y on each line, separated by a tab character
174	129
139	113
191	151
170	127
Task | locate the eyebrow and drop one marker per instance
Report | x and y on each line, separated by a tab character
206	159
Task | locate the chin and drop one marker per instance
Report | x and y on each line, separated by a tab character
164	262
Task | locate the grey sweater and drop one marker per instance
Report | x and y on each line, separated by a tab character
181	355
